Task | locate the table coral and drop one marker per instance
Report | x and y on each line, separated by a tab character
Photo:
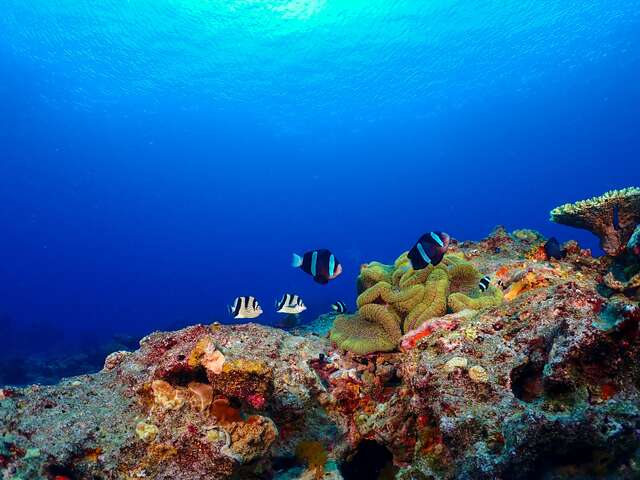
612	216
403	299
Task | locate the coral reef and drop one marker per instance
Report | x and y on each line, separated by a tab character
634	242
612	216
543	385
395	299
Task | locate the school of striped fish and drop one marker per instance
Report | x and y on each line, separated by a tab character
323	266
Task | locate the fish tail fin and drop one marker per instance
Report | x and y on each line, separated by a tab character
296	260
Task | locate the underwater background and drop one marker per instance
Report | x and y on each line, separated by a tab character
160	158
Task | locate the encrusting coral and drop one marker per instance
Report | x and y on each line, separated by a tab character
612	217
398	299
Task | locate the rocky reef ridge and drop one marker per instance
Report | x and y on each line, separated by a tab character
542	381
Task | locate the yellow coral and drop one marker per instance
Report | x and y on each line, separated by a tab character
528	282
382	292
379	291
203	346
406	300
463	277
415	277
242	377
434	303
402	261
166	396
455	363
372	273
459	301
360	336
470	333
245	366
384	316
527	235
146	432
478	374
388	309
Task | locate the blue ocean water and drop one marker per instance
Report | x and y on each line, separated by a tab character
160	157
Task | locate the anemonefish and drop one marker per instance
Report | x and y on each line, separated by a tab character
339	307
484	283
321	264
291	304
245	307
429	250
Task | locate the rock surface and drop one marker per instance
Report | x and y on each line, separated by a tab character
543	386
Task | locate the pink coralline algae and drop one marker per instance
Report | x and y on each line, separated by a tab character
257	401
450	322
507	392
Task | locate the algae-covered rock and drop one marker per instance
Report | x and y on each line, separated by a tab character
543	385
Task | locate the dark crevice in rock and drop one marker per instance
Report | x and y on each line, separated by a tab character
368	461
281	464
182	376
393	381
526	381
56	471
584	460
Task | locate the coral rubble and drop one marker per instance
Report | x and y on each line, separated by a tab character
541	385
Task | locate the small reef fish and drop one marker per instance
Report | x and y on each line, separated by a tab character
245	307
484	283
553	250
291	304
339	307
321	264
429	250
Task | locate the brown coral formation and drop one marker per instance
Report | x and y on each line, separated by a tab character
544	385
612	216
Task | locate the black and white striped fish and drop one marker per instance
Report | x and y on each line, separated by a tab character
291	304
484	283
245	307
339	307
